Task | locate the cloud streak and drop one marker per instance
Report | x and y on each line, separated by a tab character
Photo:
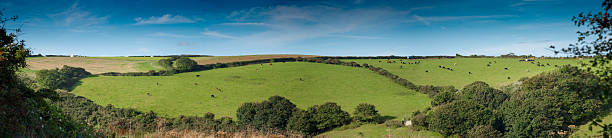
165	19
78	20
217	34
428	20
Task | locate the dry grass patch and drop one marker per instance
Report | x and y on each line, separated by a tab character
93	65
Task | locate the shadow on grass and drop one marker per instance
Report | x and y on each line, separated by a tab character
80	82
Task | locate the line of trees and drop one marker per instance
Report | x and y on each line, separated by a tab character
548	104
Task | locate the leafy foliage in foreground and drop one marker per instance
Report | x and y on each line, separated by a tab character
545	105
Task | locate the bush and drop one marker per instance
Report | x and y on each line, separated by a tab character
458	117
393	123
64	78
185	64
442	98
419	119
552	101
366	113
480	93
301	121
483	131
273	113
166	63
328	116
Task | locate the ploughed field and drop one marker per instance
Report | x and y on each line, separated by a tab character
305	84
499	72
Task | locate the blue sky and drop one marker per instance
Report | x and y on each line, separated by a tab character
336	28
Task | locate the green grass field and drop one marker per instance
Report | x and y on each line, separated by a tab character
378	131
179	94
495	75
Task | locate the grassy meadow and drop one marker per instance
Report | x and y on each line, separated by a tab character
187	94
427	71
377	131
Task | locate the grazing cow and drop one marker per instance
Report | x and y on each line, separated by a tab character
443	67
547	64
506	68
197	75
157	83
426	70
451	69
149	94
219	90
195	83
508	77
212	96
439	66
301	79
470	73
488	65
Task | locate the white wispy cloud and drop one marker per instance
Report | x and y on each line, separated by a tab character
245	23
162	34
428	20
289	24
78	20
165	19
217	34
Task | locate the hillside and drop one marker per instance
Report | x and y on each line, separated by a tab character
305	84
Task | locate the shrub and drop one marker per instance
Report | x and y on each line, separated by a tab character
442	98
419	119
185	64
458	117
366	113
480	93
64	78
301	121
393	123
328	116
484	131
166	63
552	101
273	113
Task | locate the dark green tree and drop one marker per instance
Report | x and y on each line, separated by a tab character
301	121
459	116
366	113
484	131
550	102
272	113
442	98
64	78
328	116
480	92
185	64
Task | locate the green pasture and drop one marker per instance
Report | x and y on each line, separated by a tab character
427	71
186	94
